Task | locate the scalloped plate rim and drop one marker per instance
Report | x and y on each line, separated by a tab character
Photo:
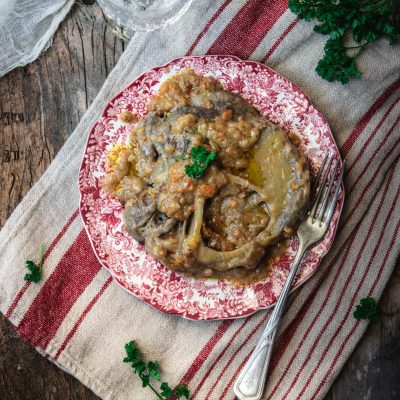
147	301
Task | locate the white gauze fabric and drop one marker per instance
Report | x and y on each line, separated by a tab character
26	29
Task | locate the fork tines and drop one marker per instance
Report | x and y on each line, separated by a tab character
323	206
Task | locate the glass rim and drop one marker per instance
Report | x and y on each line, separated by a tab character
144	20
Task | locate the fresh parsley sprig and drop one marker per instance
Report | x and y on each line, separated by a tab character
366	20
200	160
151	370
366	309
35	270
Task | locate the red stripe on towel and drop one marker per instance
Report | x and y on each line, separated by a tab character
230	361
380	101
205	352
207	27
235	375
368	185
249	26
82	317
376	151
74	272
48	251
217	359
368	141
278	42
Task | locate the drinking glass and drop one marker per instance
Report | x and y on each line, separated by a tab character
127	16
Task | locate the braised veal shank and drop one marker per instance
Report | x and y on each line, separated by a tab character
250	197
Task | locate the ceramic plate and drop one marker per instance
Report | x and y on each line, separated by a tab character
136	270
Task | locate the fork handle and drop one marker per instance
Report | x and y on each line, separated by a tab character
250	383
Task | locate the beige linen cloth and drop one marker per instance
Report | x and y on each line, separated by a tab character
81	319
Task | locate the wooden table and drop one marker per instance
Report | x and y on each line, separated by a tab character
40	106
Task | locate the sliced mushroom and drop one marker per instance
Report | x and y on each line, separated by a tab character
137	215
157	225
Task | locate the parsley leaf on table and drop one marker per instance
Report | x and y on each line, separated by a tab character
166	391
201	159
182	391
35	270
153	368
149	370
366	21
366	309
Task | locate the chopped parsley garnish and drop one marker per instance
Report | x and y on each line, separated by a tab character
200	160
366	309
367	20
35	270
151	370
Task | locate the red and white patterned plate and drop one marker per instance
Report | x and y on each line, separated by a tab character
129	263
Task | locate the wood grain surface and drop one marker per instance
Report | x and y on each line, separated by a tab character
40	106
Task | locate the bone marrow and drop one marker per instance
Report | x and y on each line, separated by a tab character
222	222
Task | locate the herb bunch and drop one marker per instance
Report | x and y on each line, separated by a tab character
200	160
151	370
366	309
366	20
35	270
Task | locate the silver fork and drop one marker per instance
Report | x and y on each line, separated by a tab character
251	381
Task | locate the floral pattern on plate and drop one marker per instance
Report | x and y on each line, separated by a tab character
129	263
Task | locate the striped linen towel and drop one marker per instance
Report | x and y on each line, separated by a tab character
79	318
